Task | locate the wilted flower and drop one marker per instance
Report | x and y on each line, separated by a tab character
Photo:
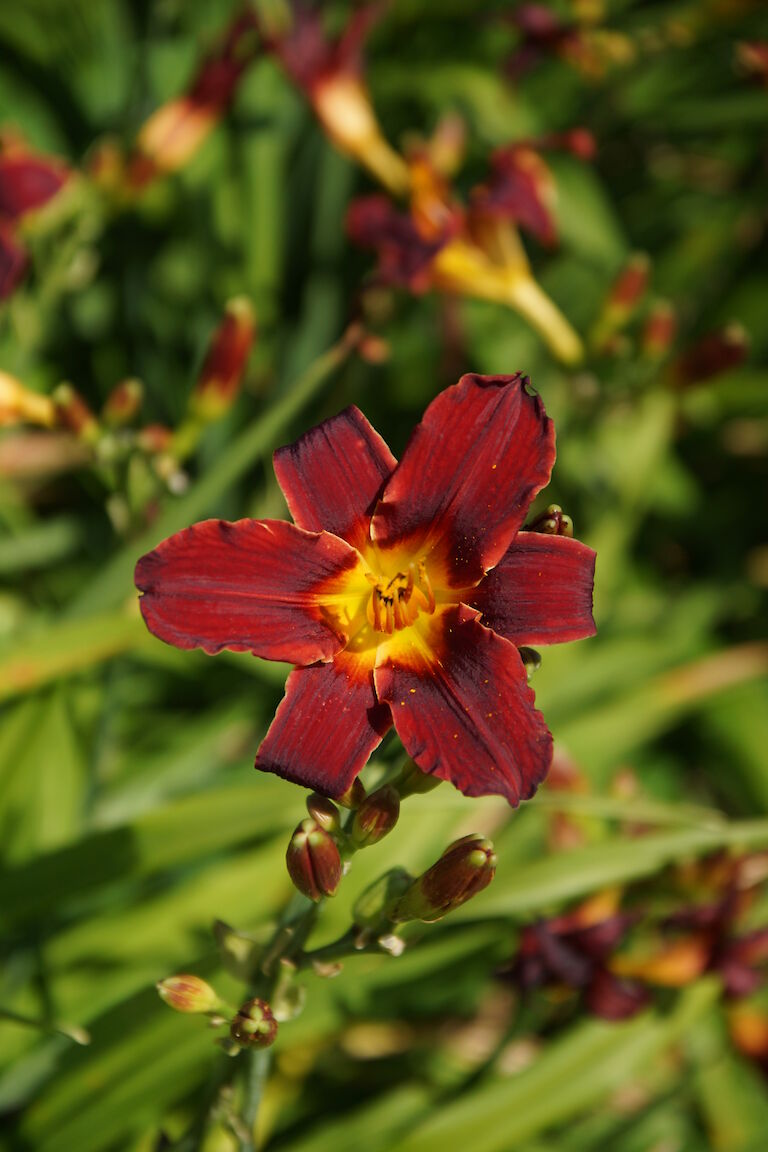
330	74
176	130
401	592
472	250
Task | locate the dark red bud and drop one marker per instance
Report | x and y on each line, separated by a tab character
376	816
73	413
224	365
716	353
630	285
254	1026
354	795
464	869
324	812
123	403
313	860
660	330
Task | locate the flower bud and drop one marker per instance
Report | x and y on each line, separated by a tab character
123	403
552	521
313	860
659	331
73	413
716	353
324	812
154	439
371	909
531	660
413	782
462	871
376	816
222	372
188	993
354	795
624	298
254	1026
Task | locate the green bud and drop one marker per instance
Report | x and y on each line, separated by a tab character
371	907
462	871
552	522
413	781
254	1026
313	860
188	993
376	816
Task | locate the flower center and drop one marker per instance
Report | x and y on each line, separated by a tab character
396	602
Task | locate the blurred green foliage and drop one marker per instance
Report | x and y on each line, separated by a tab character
130	816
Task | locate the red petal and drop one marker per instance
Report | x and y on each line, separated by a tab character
333	475
255	585
326	727
483	450
540	592
28	182
463	709
614	999
13	261
405	256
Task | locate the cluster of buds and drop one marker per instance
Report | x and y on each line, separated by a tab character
552	522
319	845
29	182
253	1025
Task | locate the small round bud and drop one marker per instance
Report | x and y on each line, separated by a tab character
531	660
413	782
324	812
660	330
354	795
313	860
188	993
462	871
123	403
254	1026
376	816
552	522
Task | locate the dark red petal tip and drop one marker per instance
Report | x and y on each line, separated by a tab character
467	714
332	476
325	728
473	465
252	585
540	592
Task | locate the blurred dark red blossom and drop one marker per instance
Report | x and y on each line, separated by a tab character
475	249
28	182
330	75
713	355
574	951
752	57
175	131
591	50
378	589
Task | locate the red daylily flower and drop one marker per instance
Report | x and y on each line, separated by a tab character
473	249
400	592
574	951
